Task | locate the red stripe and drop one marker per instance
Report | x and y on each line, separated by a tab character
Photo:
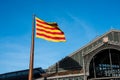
42	30
52	28
55	38
41	22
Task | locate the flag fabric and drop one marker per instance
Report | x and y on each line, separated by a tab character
49	31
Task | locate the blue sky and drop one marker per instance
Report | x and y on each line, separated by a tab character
80	20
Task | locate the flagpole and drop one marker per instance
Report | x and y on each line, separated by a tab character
30	76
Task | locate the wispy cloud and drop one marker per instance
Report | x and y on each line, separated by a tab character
87	29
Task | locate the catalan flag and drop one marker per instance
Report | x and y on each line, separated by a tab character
49	31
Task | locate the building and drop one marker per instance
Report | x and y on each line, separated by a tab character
98	60
22	75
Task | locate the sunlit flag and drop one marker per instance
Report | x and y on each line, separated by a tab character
49	31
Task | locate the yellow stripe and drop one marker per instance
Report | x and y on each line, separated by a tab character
39	19
52	35
49	39
48	29
43	21
46	25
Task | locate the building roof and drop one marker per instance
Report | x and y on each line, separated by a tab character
95	40
113	38
21	75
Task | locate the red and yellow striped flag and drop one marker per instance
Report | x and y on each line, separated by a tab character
49	31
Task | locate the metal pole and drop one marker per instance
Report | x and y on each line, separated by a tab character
94	68
110	62
84	67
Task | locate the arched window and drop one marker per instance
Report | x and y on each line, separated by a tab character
106	63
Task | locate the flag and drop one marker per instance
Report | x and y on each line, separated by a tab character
49	31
